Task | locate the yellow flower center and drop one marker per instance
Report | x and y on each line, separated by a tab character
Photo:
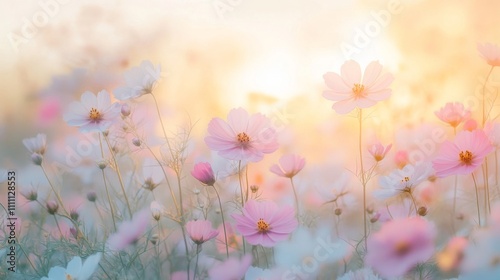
466	157
243	138
262	226
358	90
94	115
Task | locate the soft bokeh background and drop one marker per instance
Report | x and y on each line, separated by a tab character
266	56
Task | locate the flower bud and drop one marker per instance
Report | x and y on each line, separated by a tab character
375	218
154	239
74	215
37	158
102	164
254	188
422	211
338	211
52	207
91	196
136	141
125	110
32	195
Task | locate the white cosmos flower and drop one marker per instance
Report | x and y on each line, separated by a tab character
37	144
75	269
403	180
93	113
139	81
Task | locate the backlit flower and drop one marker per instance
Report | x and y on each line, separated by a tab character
37	144
378	151
463	155
400	245
351	91
403	180
75	269
451	257
289	166
139	81
242	137
201	231
453	114
490	53
203	172
93	113
263	223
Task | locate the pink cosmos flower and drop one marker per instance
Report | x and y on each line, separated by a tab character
378	151
203	172
201	231
490	53
231	269
351	91
129	232
453	114
263	223
233	240
289	166
400	245
242	137
463	155
93	113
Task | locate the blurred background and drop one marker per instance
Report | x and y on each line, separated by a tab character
265	56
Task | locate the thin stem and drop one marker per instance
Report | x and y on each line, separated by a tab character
223	221
246	179
242	201
296	200
119	175
477	199
166	179
102	218
414	202
161	123
196	263
58	197
183	221
58	227
106	188
362	174
486	187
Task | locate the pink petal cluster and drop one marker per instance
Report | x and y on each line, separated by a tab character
453	114
463	155
231	269
201	231
289	166
129	232
203	172
242	137
378	151
263	223
400	245
93	113
490	53
351	91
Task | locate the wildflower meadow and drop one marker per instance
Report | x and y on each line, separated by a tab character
135	167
